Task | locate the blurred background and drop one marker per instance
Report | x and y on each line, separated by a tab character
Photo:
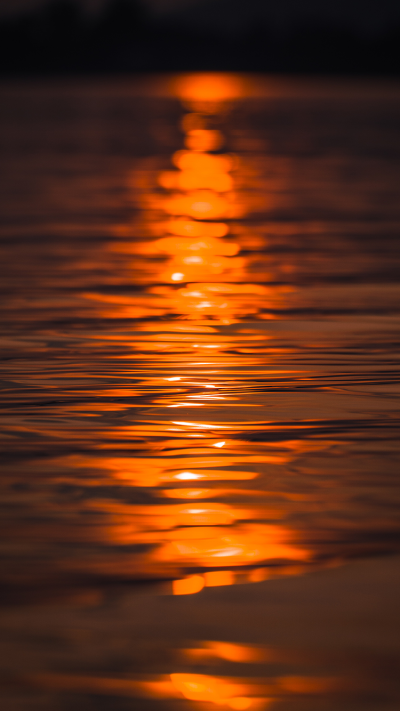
290	36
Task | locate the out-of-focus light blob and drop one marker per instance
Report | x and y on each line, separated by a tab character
186	404
246	654
199	170
177	276
218	444
216	578
188	228
189	493
198	424
245	544
199	687
187	476
201	139
204	87
188	586
258	575
202	204
203	163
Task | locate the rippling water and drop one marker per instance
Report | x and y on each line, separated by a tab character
200	411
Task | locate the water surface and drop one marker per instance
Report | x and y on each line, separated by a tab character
200	394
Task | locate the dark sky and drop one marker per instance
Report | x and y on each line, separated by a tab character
158	6
232	16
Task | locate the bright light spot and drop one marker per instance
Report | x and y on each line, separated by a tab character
218	444
177	276
188	586
203	385
172	379
189	404
206	397
197	424
185	476
227	552
199	687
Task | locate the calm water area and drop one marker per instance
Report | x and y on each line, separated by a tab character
200	394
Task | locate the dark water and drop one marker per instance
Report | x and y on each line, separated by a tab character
200	395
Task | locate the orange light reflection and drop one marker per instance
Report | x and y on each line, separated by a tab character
193	280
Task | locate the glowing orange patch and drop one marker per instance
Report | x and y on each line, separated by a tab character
239	652
209	87
199	687
188	586
204	140
203	204
188	228
219	577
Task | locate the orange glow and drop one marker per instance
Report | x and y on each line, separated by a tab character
221	691
204	140
199	687
194	281
193	121
184	247
258	575
188	586
219	577
200	204
240	652
208	87
214	475
189	493
216	293
245	544
199	170
189	228
203	163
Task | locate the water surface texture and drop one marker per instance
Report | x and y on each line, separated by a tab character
200	395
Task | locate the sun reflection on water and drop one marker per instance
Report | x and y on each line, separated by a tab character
197	282
220	297
199	345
